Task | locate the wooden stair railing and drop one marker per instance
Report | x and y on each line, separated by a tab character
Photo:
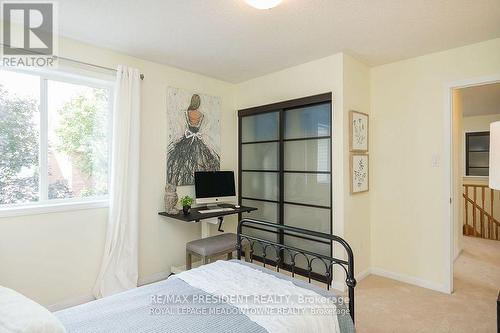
486	226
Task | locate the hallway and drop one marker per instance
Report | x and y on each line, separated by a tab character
385	305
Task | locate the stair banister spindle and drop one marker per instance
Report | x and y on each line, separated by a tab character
489	226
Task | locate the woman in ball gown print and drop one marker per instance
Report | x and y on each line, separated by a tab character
190	153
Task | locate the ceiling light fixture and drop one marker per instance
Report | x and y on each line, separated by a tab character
263	4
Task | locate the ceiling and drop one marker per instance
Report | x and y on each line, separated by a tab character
229	40
481	100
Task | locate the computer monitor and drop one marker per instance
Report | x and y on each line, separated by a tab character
214	187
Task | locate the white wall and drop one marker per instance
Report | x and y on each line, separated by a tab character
479	123
55	257
357	206
408	206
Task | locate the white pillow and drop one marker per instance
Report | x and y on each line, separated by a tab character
19	314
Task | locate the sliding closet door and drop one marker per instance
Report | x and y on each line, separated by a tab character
259	171
285	171
307	176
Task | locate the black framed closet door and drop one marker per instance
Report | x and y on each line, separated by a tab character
259	172
307	177
285	171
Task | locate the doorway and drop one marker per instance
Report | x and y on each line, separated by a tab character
475	208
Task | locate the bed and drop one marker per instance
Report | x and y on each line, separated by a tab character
231	296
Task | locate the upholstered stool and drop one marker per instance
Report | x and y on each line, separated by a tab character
210	247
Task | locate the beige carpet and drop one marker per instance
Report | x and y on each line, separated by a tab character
385	305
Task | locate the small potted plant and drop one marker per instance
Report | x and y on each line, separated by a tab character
186	203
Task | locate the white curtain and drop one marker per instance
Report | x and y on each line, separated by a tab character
119	266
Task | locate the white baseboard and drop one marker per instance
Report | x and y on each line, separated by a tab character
69	303
363	274
409	279
341	286
457	255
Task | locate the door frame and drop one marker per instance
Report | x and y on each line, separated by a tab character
450	203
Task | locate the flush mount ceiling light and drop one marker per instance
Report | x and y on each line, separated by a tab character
263	4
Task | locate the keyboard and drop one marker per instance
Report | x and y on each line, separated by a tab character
217	210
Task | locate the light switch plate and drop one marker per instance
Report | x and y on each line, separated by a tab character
436	159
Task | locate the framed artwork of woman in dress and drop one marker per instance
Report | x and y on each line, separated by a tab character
194	135
358	131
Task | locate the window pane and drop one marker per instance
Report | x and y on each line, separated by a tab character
260	156
479	142
479	160
19	137
77	140
307	155
310	189
478	172
262	127
260	185
308	122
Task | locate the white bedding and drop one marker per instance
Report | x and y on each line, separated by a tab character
19	314
284	311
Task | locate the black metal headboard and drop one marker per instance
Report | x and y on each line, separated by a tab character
293	252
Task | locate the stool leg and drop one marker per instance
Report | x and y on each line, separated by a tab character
188	261
204	260
230	256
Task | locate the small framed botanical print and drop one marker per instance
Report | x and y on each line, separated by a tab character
358	131
359	173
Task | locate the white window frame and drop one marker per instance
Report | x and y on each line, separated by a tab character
44	205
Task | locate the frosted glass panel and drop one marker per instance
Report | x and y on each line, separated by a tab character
266	211
313	246
311	189
262	127
479	160
260	156
308	122
258	248
315	219
260	185
307	155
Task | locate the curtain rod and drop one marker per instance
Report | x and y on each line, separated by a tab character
91	65
77	62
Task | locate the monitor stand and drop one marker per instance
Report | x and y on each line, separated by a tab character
212	206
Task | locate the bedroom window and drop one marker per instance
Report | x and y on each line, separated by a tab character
477	154
54	139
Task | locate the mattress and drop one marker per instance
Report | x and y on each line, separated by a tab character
137	310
